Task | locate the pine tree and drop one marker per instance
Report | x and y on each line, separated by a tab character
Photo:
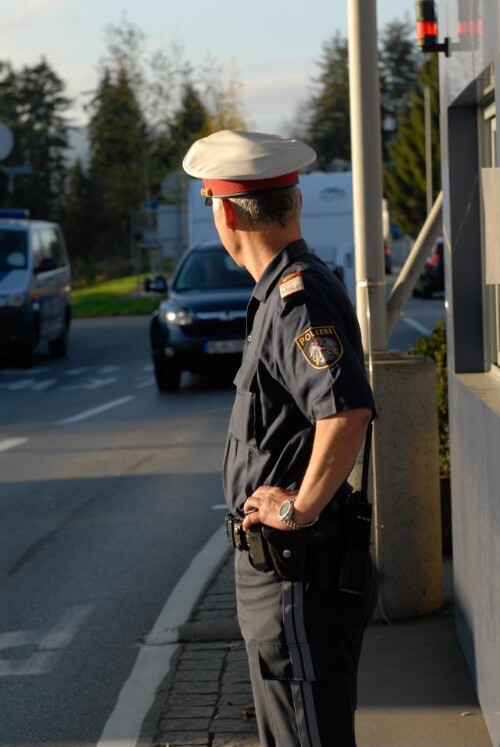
328	125
404	177
77	219
399	63
33	105
188	123
119	162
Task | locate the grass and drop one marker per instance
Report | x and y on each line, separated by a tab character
120	297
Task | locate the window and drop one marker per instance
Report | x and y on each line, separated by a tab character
37	249
53	248
13	250
489	158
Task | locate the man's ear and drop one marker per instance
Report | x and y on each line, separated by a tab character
230	216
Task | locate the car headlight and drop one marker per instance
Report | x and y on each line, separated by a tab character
14	301
174	315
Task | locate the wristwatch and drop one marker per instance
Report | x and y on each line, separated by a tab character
285	513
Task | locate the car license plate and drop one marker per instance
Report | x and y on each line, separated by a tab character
224	346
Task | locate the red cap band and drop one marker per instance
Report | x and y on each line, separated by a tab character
226	188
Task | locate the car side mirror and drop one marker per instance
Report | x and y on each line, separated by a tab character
156	285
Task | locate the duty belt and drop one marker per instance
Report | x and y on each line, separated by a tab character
332	554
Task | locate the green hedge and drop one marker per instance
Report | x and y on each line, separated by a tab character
434	346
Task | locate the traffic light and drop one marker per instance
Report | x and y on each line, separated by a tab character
427	28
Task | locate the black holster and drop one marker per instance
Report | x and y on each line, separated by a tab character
332	554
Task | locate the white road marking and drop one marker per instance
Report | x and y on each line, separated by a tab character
41	385
11	443
147	369
16	386
153	661
94	411
91	384
63	632
416	325
75	371
219	507
49	645
146	382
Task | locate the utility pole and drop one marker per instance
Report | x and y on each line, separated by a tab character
366	156
428	147
405	469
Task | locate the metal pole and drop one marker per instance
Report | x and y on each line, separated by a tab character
413	266
366	155
428	146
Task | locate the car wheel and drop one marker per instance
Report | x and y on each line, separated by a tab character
168	379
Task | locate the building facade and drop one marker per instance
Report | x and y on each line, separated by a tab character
470	86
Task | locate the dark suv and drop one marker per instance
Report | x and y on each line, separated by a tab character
200	325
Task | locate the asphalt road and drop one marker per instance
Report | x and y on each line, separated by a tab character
418	319
107	491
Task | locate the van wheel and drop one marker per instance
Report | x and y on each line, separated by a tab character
167	379
58	348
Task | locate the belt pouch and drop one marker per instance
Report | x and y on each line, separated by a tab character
258	549
287	551
354	562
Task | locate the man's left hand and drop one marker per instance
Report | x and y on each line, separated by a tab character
262	507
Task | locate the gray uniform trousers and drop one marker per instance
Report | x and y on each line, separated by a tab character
303	649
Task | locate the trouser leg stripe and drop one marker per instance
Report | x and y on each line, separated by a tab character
295	630
302	663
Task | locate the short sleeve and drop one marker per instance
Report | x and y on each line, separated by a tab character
317	359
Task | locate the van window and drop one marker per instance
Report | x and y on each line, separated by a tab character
13	250
48	251
37	249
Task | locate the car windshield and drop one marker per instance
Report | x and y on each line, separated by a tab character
211	269
13	249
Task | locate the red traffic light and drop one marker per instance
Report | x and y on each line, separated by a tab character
427	28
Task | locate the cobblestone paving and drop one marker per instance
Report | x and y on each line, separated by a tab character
208	701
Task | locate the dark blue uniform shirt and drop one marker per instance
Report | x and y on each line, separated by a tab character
303	361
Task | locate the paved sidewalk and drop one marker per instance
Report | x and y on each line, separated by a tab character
414	687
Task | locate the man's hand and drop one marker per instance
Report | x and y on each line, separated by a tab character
337	441
262	507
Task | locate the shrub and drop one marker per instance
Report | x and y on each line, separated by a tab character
434	346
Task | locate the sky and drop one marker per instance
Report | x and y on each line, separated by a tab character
273	45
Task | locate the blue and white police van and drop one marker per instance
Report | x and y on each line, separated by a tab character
35	286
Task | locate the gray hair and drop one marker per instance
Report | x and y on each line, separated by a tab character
279	206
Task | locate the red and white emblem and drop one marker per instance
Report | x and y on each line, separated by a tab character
320	346
291	283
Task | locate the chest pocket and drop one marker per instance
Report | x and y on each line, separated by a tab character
243	423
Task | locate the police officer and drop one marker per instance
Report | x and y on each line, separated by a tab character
302	408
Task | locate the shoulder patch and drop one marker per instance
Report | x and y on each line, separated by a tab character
320	346
291	283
